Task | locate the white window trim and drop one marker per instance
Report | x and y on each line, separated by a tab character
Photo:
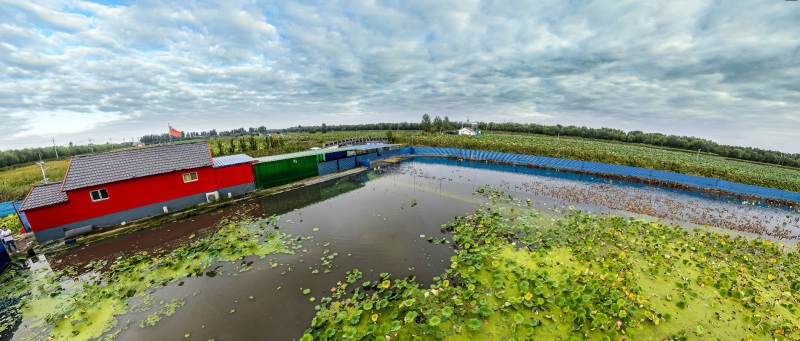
191	180
100	195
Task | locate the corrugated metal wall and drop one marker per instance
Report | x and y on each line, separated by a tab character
336	155
595	167
281	172
347	163
328	167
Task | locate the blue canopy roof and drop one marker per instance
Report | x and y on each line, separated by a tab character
372	146
230	160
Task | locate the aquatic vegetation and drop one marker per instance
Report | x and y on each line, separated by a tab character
583	276
14	290
66	305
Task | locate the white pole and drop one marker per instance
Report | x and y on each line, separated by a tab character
54	148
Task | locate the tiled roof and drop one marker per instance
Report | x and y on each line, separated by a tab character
97	169
44	195
231	160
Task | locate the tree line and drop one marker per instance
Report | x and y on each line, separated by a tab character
432	125
15	157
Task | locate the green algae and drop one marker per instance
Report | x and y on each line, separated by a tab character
168	309
66	306
582	276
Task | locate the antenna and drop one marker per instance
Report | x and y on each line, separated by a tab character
54	148
41	165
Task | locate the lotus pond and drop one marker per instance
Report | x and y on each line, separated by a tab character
431	249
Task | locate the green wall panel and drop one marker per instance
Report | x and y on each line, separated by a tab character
281	172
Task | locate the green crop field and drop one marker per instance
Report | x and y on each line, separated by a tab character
15	182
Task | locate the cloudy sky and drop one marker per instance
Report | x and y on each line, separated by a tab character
728	71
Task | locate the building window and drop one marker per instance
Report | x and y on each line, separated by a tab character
100	194
189	177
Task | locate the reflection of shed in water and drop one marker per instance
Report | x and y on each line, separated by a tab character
284	202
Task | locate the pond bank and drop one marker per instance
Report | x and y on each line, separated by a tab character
184	214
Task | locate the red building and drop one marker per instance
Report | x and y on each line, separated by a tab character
111	188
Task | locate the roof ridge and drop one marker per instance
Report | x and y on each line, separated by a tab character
135	148
48	184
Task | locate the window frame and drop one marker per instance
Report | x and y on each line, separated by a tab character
190	177
99	194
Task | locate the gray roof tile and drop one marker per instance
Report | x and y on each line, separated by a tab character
44	195
98	169
232	160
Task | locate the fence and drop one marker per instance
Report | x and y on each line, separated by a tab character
602	168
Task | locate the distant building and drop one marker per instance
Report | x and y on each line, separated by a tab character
110	188
468	131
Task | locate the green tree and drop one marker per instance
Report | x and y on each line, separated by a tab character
426	123
446	124
438	124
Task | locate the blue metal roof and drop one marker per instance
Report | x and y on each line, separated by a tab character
372	146
230	160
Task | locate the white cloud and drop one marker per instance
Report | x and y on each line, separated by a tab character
724	71
38	124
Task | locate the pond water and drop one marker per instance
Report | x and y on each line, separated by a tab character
374	221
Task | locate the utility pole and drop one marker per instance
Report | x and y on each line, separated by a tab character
91	145
54	148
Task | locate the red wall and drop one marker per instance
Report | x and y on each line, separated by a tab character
234	175
122	195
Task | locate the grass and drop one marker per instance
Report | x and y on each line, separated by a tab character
15	182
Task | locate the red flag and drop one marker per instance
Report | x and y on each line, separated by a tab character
174	132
